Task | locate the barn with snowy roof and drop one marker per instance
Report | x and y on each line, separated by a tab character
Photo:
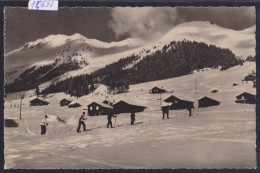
156	90
246	98
178	103
38	102
74	104
96	108
126	107
251	77
65	102
207	101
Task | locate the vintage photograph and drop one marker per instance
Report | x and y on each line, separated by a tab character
130	87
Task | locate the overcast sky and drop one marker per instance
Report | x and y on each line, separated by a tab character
114	24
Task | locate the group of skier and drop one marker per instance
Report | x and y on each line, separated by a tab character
109	120
165	111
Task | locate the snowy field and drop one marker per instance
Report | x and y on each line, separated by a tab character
215	137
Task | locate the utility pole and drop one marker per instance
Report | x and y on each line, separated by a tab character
196	85
22	97
160	99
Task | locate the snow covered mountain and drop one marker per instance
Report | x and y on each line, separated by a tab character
88	55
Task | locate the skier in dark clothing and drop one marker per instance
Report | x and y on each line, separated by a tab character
165	110
132	118
44	125
81	122
109	119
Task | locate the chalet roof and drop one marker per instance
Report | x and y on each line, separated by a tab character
178	97
102	104
36	99
251	75
129	102
208	98
245	93
125	107
158	88
65	100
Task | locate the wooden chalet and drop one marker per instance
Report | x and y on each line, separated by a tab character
178	103
74	105
206	102
10	123
95	109
246	98
124	107
250	77
65	102
156	90
108	102
38	102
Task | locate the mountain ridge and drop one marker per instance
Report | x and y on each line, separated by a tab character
89	55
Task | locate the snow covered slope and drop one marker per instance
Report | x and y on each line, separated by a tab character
241	43
214	137
57	46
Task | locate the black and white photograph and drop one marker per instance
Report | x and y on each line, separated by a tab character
130	88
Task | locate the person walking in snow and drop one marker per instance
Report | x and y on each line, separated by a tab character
43	125
109	119
132	118
165	110
81	122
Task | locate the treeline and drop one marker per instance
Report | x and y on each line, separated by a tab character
181	58
111	75
33	77
84	84
74	86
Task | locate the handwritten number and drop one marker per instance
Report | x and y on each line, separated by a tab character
43	3
48	2
32	5
52	3
36	4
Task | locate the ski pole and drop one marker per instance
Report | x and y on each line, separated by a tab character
115	120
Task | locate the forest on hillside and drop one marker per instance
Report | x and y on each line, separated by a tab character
33	76
175	59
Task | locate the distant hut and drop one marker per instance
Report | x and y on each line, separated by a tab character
38	102
206	102
156	90
10	123
74	104
250	77
65	102
124	107
108	102
178	103
214	91
96	108
246	98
